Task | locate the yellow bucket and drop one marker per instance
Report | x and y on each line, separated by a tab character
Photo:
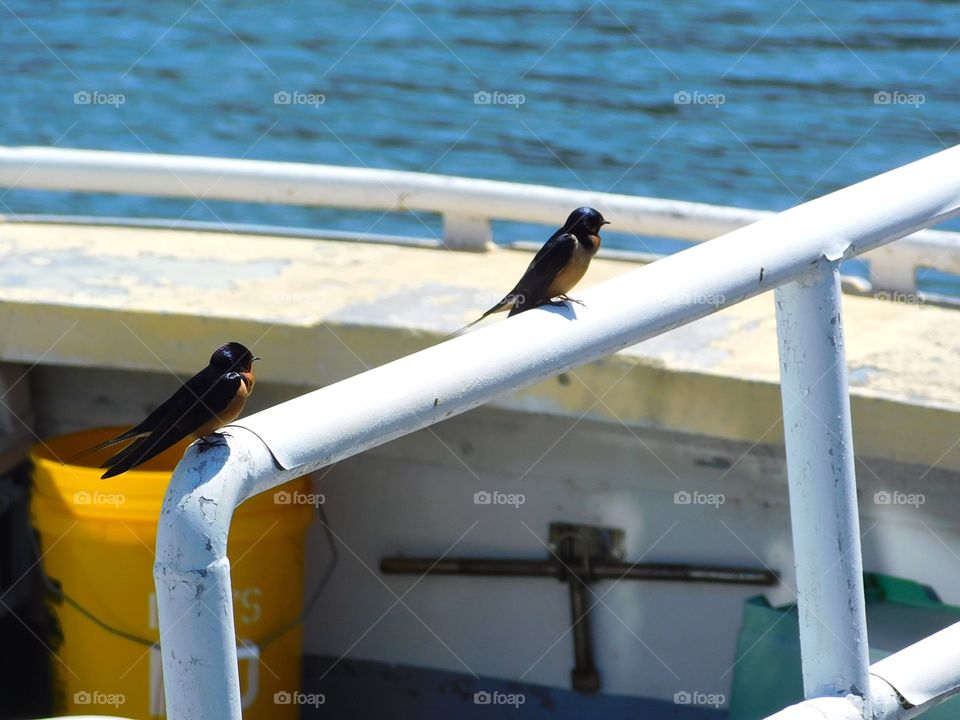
97	539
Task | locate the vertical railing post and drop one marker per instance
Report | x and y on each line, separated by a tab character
466	232
823	493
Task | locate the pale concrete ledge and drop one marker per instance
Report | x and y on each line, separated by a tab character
319	311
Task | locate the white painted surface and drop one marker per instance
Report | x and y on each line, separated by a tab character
363	188
823	486
926	670
467	205
903	685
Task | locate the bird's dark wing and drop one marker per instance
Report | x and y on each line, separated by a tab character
531	291
128	435
134	448
190	407
202	379
545	248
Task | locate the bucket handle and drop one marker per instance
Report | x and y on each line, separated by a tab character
56	590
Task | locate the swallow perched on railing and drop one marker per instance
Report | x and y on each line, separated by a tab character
556	268
212	398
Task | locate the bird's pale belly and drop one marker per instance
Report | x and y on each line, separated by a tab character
230	413
571	273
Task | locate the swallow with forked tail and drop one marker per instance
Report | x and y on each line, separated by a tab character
556	268
212	398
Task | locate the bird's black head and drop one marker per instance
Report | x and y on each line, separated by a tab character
232	357
584	220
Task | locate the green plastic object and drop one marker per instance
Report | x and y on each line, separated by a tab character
767	676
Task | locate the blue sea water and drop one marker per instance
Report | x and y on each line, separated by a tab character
753	103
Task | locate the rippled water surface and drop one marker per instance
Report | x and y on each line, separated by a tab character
781	98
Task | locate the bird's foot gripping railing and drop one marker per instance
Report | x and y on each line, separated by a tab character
795	252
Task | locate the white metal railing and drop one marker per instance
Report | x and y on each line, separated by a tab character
797	252
466	205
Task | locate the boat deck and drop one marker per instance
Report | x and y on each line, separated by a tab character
319	311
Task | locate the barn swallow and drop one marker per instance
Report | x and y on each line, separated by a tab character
212	398
556	268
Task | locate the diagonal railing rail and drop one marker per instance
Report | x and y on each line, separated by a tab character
795	252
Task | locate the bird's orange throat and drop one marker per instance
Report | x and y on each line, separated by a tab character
249	380
592	244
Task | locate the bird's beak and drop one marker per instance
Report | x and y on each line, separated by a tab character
256	358
605	222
